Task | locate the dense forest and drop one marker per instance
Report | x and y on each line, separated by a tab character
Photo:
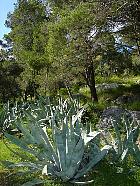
70	93
58	44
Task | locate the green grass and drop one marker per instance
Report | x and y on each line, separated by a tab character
134	106
8	176
131	79
128	86
106	174
6	154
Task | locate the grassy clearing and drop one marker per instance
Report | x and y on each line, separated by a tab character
128	86
119	79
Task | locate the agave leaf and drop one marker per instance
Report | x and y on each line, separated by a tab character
27	164
93	162
22	172
48	170
7	163
20	143
136	133
125	152
131	139
45	170
74	158
29	115
77	116
94	151
70	144
118	136
27	135
23	145
88	137
126	122
72	140
82	183
77	127
48	145
136	153
79	145
35	138
70	160
36	134
62	144
61	148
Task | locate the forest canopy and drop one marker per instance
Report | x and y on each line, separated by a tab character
56	44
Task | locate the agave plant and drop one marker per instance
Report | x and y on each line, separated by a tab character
6	117
68	155
43	110
123	143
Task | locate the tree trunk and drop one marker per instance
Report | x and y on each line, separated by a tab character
138	47
136	38
93	92
90	78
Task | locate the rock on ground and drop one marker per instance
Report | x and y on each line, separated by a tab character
116	114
